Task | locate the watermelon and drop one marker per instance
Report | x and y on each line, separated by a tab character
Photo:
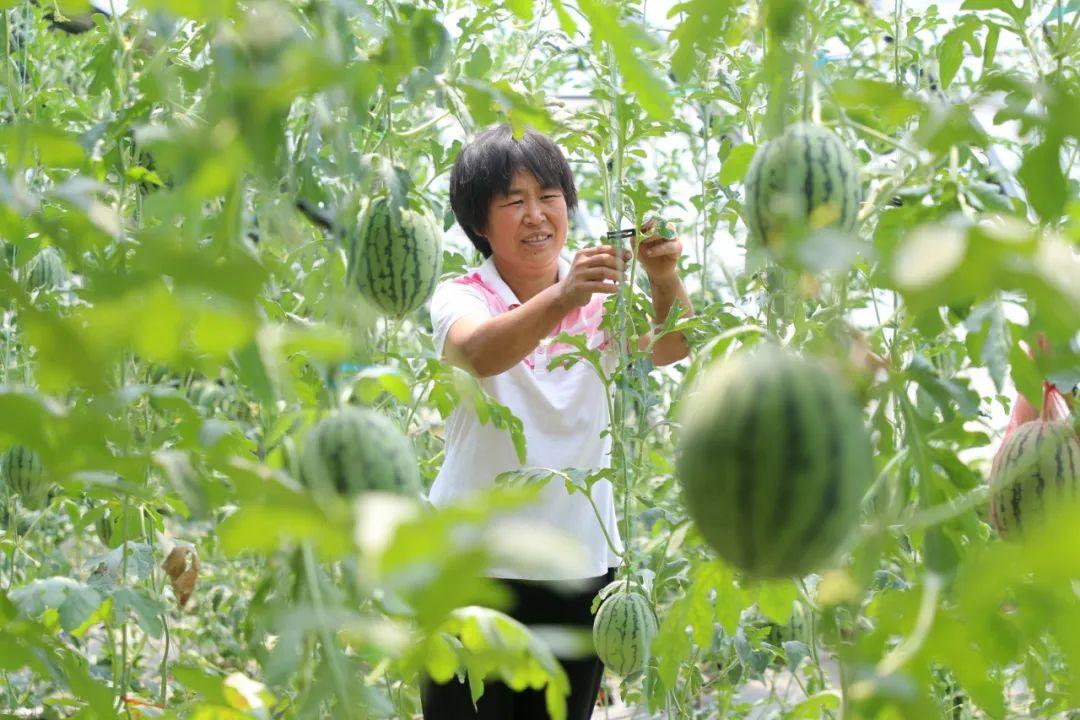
797	628
118	525
773	461
1038	466
807	176
207	395
623	631
358	449
395	256
24	476
46	270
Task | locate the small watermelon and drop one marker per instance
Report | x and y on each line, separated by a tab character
623	631
1038	466
118	526
24	476
208	395
807	176
46	270
395	256
798	627
358	449
773	461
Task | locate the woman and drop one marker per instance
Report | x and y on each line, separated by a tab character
513	198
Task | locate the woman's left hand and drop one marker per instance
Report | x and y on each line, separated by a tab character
658	255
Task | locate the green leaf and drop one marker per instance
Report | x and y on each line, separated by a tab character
1019	14
371	382
944	390
521	8
698	34
1045	185
566	22
886	101
78	607
624	39
1026	375
204	10
24	144
775	598
738	160
950	50
990	46
272	514
995	350
820	704
147	610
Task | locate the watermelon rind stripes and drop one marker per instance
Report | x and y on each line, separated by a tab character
395	256
773	460
1037	468
24	476
623	631
46	270
806	176
358	449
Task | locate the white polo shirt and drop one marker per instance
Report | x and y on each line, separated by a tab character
564	414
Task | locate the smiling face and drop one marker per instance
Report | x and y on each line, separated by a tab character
527	227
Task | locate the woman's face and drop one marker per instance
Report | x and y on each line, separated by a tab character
527	226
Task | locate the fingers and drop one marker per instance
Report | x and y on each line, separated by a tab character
602	273
601	251
659	247
603	256
662	250
601	287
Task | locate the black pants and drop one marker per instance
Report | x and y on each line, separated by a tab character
535	603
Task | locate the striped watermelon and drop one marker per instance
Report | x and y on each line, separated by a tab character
395	256
24	475
46	270
357	449
117	526
798	627
1039	465
208	395
773	461
623	631
805	176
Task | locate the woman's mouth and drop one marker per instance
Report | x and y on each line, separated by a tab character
538	239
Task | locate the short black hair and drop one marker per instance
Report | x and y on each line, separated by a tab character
485	167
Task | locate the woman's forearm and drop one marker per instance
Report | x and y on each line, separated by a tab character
671	347
494	345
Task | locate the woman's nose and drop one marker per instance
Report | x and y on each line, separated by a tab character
533	213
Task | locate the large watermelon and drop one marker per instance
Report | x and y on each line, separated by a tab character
807	176
24	475
358	449
623	631
1038	466
45	270
773	461
395	256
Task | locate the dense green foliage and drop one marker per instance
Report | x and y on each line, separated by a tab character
200	169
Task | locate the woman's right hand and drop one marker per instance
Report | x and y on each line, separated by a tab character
594	270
